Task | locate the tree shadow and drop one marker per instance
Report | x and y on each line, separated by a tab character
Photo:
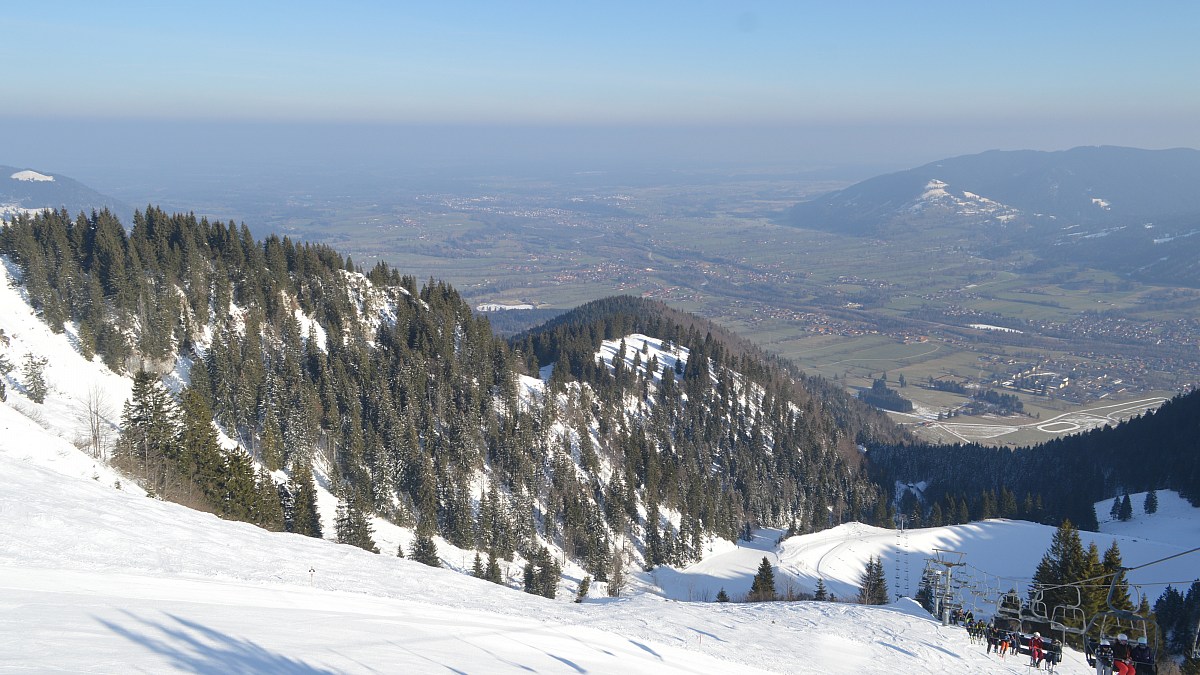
196	648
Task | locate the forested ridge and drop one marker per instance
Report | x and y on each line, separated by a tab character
417	411
1064	477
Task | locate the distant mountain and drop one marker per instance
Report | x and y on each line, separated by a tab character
1106	206
30	190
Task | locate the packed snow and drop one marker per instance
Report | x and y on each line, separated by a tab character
34	176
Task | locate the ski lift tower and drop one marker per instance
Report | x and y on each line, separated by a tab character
948	560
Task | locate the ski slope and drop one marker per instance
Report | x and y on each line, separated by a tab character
999	555
99	579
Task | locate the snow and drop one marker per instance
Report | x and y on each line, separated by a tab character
103	580
32	176
1175	519
501	307
72	381
937	194
1102	203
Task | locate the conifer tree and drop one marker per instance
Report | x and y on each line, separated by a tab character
1150	506
305	518
822	594
1112	565
1093	594
1126	508
268	510
32	372
1115	511
763	587
492	572
722	596
873	584
424	549
1063	563
353	526
477	567
616	575
582	592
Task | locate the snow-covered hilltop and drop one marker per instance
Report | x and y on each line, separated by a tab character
31	176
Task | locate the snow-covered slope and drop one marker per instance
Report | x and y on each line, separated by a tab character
103	580
999	555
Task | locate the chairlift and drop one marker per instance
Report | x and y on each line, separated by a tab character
1069	618
1009	606
1107	623
1035	609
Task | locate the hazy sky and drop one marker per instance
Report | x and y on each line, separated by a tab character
907	81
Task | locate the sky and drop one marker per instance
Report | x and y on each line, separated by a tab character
899	82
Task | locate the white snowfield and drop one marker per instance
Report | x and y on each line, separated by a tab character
28	175
95	579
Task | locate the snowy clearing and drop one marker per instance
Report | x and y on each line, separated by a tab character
32	176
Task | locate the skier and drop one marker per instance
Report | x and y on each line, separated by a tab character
993	639
1035	650
1104	658
1054	654
1143	658
1123	656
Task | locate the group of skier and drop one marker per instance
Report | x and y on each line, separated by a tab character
1111	657
1122	657
1004	642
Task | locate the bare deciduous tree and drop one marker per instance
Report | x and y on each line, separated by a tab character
94	415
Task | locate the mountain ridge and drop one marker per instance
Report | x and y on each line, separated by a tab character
28	190
1107	207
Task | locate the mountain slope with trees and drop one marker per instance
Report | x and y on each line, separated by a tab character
1061	478
420	415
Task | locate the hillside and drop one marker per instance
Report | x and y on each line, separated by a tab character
1060	478
26	190
1110	207
610	465
104	580
649	440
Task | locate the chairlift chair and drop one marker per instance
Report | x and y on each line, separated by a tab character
1069	618
1009	606
1035	609
1107	623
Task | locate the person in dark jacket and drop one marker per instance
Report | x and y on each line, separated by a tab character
1143	658
1104	657
993	639
1123	656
